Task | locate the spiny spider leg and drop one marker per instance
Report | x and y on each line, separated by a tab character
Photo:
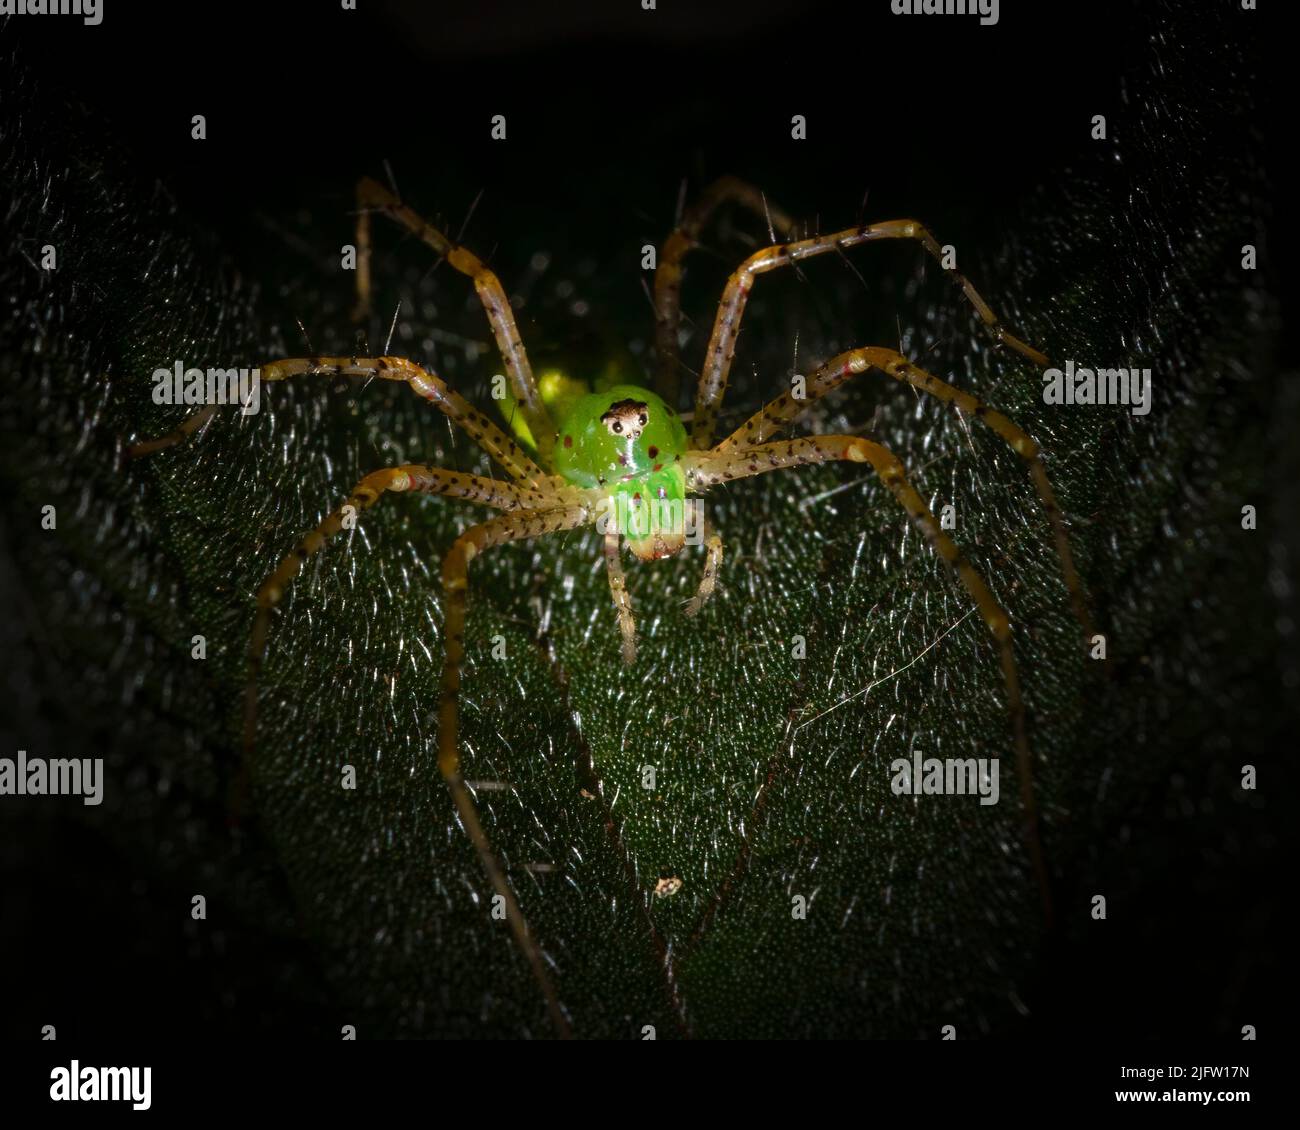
622	601
512	458
532	511
668	268
774	417
374	197
712	563
411	477
187	427
726	326
707	468
455	584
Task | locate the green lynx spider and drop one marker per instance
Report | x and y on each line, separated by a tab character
616	452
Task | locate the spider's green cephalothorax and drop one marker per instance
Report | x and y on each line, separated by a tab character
627	440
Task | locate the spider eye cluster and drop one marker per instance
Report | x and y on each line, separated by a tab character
626	418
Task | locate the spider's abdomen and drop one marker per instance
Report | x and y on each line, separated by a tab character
627	440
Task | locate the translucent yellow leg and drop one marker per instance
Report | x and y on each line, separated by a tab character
455	584
707	468
774	417
669	267
726	325
374	197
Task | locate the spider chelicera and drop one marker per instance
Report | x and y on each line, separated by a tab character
622	459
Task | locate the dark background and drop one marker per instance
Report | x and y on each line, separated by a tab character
609	110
